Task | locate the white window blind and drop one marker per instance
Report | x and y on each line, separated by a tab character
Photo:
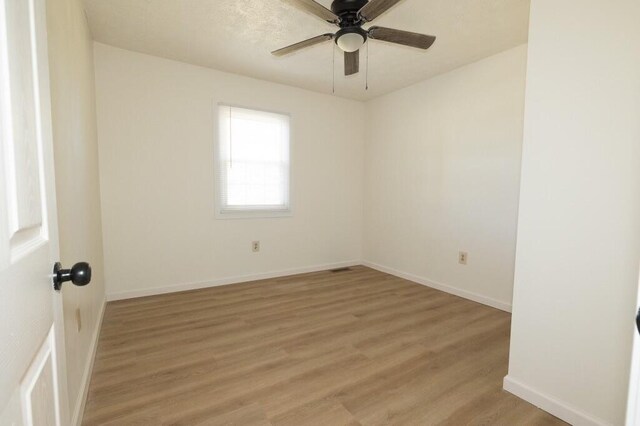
253	161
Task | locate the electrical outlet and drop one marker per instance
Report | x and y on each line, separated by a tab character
255	246
78	320
462	257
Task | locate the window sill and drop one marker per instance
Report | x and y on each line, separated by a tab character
253	214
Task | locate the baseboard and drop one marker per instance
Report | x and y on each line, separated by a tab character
442	287
226	281
86	377
550	404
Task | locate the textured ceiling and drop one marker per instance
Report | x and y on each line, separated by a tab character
238	36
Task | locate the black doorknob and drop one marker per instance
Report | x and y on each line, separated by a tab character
79	274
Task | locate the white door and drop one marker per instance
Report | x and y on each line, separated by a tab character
32	379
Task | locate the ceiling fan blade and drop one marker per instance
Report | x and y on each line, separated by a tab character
375	8
407	38
317	9
351	62
302	44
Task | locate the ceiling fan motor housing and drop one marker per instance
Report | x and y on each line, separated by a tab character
347	10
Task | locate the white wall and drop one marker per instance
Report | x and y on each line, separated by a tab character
156	130
442	176
579	218
77	183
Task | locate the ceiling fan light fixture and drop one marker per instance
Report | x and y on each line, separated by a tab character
350	42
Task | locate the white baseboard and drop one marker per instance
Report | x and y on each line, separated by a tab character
81	400
226	281
550	404
442	287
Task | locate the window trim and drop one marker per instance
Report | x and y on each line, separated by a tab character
259	212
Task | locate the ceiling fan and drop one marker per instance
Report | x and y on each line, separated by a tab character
350	16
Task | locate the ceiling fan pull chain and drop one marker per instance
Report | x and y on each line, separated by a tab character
366	75
333	68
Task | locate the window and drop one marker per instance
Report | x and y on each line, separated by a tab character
253	163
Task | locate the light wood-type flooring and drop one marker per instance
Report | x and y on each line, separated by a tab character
329	348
